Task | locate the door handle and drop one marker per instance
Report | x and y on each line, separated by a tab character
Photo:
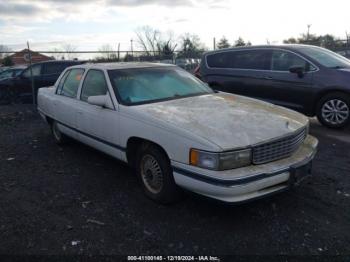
268	77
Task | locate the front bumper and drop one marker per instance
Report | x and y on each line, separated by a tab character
246	183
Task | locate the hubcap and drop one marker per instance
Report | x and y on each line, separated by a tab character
151	174
335	111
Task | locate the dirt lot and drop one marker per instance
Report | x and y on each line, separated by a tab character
75	200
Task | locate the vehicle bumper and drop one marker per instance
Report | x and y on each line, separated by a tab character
246	183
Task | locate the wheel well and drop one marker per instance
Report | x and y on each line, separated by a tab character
49	120
325	93
134	144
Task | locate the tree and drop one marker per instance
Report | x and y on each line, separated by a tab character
59	55
154	42
7	61
290	40
223	43
4	48
107	52
70	49
191	46
327	41
240	42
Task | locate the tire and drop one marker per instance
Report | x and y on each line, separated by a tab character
59	137
333	110
156	175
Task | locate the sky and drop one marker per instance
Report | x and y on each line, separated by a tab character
89	24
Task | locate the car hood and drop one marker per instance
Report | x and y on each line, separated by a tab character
227	120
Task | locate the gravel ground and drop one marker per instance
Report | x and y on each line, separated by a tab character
74	200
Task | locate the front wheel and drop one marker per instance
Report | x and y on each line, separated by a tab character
156	175
333	110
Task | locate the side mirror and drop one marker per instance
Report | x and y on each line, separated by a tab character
299	70
102	101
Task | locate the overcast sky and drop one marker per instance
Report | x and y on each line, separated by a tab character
89	24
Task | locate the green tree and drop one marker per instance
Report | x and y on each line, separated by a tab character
223	43
7	61
191	46
241	42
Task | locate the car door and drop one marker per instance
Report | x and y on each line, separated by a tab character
99	126
286	88
241	72
66	103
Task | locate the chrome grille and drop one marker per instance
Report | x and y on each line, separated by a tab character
277	149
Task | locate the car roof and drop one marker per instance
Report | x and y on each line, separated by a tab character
77	62
121	65
284	46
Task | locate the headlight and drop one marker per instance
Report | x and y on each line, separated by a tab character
220	161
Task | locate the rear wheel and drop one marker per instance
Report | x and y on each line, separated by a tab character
156	175
333	110
59	137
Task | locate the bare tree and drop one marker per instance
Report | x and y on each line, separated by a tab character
59	55
154	42
148	40
107	52
70	49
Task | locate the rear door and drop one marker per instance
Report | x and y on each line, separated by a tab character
286	88
66	103
243	72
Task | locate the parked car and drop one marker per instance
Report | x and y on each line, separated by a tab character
3	68
178	133
11	72
19	88
309	79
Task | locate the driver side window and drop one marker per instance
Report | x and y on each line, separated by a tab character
282	61
94	85
36	70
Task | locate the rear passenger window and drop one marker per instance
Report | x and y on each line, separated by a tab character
94	85
36	70
252	59
245	59
219	60
54	68
71	83
282	61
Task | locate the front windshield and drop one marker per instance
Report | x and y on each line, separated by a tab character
326	58
146	85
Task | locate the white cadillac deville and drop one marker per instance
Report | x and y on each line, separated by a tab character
178	133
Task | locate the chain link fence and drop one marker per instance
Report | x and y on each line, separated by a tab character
188	61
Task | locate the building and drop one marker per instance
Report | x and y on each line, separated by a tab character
22	57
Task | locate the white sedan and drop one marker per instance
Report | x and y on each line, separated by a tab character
178	133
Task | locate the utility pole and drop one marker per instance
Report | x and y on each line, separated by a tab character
132	48
214	43
31	73
118	52
308	32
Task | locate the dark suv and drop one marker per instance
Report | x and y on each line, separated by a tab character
19	89
308	79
